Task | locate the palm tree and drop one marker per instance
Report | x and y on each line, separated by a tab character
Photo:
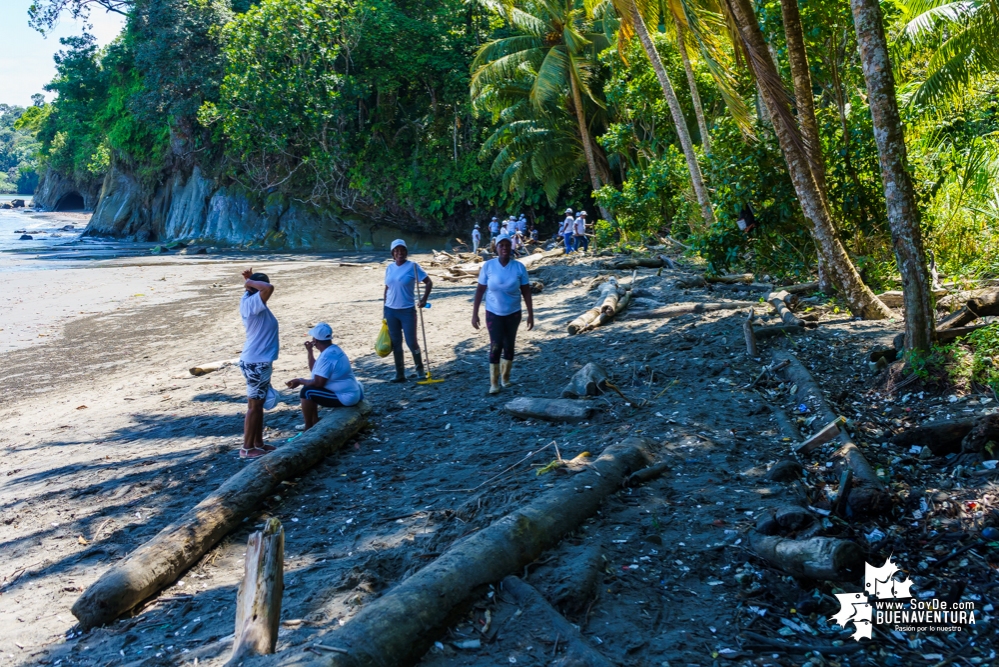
844	274
903	214
556	46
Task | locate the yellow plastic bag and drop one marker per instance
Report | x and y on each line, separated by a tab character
383	344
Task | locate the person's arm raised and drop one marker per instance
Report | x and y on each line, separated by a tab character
265	289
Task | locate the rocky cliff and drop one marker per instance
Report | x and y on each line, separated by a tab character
53	188
193	208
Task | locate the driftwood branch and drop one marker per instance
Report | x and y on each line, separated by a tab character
816	558
161	560
747	330
781	302
687	309
258	602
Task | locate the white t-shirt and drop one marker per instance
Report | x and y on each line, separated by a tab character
494	227
261	330
401	284
503	285
580	226
334	365
476	236
567	225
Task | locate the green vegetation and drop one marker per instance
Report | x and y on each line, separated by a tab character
18	150
429	114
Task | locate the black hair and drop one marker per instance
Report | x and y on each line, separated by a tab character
260	278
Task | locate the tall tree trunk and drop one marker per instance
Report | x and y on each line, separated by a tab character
695	96
903	215
700	191
802	81
584	134
859	297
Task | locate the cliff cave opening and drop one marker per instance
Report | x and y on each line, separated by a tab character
72	201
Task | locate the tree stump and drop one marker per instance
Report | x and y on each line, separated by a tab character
258	602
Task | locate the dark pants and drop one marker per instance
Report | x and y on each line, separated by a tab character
502	335
402	322
323	397
582	242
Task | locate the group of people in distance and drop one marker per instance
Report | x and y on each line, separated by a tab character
503	283
573	232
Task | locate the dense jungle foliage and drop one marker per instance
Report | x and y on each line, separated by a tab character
18	150
434	114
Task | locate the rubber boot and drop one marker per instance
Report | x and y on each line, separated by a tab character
418	360
494	374
400	365
505	367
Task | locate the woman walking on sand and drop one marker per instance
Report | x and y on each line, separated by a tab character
400	307
504	282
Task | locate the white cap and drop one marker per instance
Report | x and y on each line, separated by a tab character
583	213
321	331
568	210
476	225
495	218
397	243
503	237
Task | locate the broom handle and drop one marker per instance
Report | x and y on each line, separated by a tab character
416	275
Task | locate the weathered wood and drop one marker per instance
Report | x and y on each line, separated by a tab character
827	433
398	627
577	653
610	293
942	437
688	282
731	278
648	474
161	560
607	316
258	602
590	380
205	369
986	303
822	558
550	409
780	301
747	331
532	261
687	309
802	288
949	335
583	321
742	287
656	262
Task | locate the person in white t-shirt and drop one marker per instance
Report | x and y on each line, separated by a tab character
567	230
494	228
333	383
579	229
476	239
257	359
400	307
503	281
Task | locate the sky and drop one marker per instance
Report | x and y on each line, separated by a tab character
26	56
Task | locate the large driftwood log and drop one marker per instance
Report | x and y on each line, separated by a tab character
868	495
397	627
583	322
532	261
577	652
987	303
161	560
687	309
942	437
742	287
823	558
258	602
610	293
590	380
656	262
780	302
550	409
802	288
606	316
944	336
691	281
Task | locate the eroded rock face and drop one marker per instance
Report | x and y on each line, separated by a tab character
53	188
194	208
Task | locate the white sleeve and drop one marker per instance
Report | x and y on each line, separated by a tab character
255	305
483	273
522	270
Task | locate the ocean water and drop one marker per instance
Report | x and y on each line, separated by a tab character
56	242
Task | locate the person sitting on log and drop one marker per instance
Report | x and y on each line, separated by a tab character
503	281
257	360
333	383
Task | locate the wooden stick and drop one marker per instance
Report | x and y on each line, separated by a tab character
160	561
398	627
205	369
747	330
687	309
815	558
258	602
578	653
731	278
647	474
779	300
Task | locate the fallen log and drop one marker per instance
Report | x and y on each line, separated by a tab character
656	262
533	260
583	322
779	330
942	437
688	309
577	652
647	474
607	316
801	288
691	281
822	558
590	380
985	304
161	560
398	627
610	293
827	433
549	409
731	278
205	369
258	601
742	287
780	302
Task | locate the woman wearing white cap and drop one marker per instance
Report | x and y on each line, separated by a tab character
400	307
503	281
333	383
568	230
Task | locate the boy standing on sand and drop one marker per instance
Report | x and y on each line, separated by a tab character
257	360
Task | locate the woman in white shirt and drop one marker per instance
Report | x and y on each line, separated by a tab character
503	281
400	307
333	383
